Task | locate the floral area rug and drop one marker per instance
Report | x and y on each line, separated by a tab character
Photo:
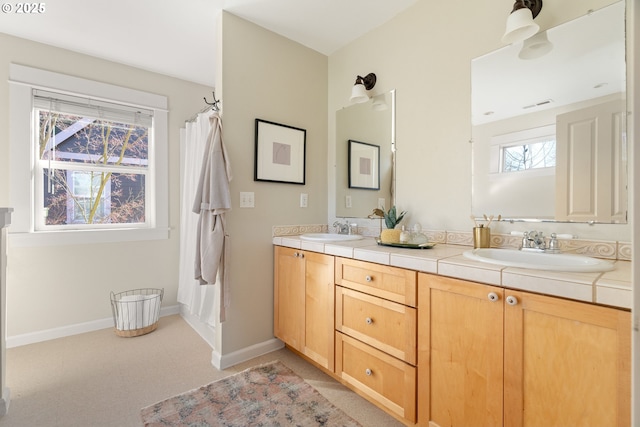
266	395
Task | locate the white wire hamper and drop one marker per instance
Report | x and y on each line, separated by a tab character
136	312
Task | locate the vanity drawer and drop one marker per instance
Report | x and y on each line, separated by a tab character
392	283
385	325
380	377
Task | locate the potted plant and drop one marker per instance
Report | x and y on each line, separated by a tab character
391	220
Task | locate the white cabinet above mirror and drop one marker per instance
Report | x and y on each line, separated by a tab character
539	143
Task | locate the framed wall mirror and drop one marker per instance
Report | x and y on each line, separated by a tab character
549	124
364	131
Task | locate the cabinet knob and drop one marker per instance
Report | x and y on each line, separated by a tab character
368	372
369	320
368	278
301	255
296	254
492	296
511	300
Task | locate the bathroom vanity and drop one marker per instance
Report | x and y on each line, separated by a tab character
436	339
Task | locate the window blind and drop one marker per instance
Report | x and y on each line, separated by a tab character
88	107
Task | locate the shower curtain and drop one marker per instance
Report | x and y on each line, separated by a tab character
201	301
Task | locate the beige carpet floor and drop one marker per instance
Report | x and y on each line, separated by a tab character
98	379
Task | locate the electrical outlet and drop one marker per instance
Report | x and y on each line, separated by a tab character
304	200
247	199
347	201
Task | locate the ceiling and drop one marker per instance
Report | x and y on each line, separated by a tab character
178	37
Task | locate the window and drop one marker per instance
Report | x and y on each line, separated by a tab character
90	160
529	155
526	152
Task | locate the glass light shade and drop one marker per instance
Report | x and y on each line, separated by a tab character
520	26
379	104
535	47
359	94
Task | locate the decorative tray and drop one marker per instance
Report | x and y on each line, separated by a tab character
427	245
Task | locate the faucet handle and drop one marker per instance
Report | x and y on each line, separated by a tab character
554	246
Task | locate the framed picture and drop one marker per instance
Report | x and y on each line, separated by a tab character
280	153
364	165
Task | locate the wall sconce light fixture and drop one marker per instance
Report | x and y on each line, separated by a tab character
520	25
535	46
361	86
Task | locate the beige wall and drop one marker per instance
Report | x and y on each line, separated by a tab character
425	54
265	76
58	286
269	77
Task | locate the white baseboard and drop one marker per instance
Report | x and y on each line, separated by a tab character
206	331
225	361
79	328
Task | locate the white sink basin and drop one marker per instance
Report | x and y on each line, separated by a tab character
539	261
330	237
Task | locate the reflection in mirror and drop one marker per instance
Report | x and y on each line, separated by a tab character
370	125
549	129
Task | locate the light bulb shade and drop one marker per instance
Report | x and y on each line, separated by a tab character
359	94
379	103
520	26
535	47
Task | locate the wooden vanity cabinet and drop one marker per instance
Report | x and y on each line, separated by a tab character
490	356
376	334
304	303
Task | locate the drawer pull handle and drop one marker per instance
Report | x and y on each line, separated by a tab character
369	320
368	372
511	300
493	296
368	278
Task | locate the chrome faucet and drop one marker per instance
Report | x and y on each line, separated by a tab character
346	228
535	241
342	228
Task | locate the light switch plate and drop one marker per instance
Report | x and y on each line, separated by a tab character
247	199
304	200
347	201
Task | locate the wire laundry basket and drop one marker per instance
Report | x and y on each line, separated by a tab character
136	312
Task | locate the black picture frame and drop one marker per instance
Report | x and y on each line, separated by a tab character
364	165
280	153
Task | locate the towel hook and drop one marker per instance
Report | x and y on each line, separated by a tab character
215	102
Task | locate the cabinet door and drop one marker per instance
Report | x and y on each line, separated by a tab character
289	296
566	363
319	336
460	353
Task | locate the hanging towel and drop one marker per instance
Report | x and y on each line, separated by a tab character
212	201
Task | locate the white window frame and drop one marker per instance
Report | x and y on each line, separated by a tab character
498	142
22	81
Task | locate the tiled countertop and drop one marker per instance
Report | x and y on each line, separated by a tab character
610	288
